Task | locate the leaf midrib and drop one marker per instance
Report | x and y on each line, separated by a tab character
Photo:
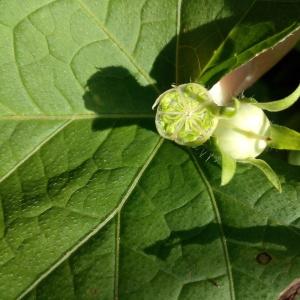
77	117
256	210
219	222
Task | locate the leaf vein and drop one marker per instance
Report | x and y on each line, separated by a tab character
219	221
118	45
100	225
35	149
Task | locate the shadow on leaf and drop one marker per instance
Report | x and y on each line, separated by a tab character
281	236
114	91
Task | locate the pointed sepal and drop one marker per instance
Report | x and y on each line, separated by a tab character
281	104
284	138
228	168
266	169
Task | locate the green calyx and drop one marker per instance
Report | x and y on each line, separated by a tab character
186	114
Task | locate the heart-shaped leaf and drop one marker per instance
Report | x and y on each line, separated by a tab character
94	204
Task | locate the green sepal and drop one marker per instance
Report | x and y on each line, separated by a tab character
266	169
294	158
228	163
279	105
229	111
285	138
228	168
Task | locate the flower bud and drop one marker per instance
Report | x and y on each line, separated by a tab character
246	134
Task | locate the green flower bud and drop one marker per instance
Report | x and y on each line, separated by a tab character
186	114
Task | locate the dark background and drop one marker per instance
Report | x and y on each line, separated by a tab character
277	83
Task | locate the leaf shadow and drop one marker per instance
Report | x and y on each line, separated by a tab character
286	239
114	92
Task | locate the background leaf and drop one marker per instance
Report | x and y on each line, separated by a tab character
94	204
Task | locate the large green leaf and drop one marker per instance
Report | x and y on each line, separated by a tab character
94	204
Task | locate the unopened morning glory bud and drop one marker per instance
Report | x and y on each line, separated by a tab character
246	134
186	114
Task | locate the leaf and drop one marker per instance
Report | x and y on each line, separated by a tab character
284	138
281	104
267	170
94	205
294	158
258	222
238	31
